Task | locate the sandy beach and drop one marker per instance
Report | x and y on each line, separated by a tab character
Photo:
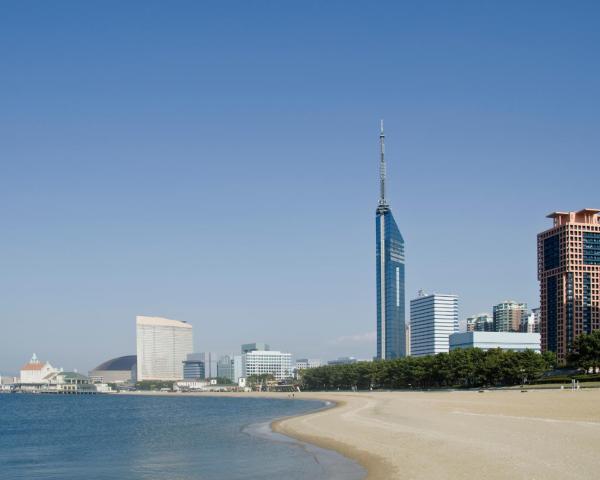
542	434
498	434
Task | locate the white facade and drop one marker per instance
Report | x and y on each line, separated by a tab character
36	372
515	341
259	362
162	346
433	318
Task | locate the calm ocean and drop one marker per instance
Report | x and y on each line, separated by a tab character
167	438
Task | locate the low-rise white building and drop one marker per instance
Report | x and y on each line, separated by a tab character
35	372
515	341
260	362
304	363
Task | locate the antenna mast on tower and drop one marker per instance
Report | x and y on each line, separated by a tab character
382	201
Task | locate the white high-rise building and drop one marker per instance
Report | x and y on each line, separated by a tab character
162	346
259	362
432	319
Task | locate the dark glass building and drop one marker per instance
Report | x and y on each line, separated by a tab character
391	331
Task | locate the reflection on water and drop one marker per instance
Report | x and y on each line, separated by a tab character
175	438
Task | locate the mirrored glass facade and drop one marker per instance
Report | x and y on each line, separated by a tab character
391	332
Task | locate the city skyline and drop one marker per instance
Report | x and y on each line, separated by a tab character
184	171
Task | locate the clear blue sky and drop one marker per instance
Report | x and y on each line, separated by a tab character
216	162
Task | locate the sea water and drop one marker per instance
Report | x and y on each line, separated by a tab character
157	437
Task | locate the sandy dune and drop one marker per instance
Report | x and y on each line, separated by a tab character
454	435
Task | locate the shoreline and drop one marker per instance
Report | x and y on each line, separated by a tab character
550	434
377	468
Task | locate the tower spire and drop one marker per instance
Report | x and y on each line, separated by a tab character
382	200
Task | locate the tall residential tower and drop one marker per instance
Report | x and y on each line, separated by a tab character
569	275
391	330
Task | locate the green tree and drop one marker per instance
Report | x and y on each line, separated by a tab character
585	351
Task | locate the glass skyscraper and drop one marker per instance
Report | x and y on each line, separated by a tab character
391	328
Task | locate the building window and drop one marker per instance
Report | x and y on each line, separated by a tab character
551	252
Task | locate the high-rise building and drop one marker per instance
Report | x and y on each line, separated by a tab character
482	322
193	367
530	322
569	275
470	324
225	368
210	360
508	315
433	318
238	369
162	346
391	341
259	362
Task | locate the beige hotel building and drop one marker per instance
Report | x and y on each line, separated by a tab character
569	275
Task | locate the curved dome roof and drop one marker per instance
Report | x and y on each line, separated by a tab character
120	363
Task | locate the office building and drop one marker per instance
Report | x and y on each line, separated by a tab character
569	276
251	347
115	370
162	346
391	341
193	367
514	341
508	315
432	319
225	368
259	362
210	359
306	363
238	370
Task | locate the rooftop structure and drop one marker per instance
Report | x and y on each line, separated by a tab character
250	347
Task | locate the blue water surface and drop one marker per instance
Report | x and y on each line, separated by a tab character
153	437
